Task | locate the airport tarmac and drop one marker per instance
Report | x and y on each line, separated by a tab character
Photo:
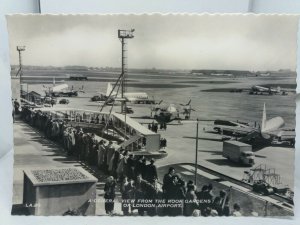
208	106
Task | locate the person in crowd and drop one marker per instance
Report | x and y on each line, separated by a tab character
84	117
236	210
226	208
109	195
219	203
204	198
73	141
76	149
196	213
177	194
129	171
149	126
121	165
207	212
102	120
144	168
161	126
126	190
190	203
144	142
151	172
167	182
85	146
105	163
140	190
110	152
139	166
80	145
69	141
92	119
213	213
94	149
101	152
210	190
154	193
110	164
155	128
90	146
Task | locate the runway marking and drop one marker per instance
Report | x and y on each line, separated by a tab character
200	172
187	173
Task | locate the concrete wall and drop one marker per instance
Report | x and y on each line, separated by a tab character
53	200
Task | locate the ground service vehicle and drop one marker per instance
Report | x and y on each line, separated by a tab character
64	101
238	152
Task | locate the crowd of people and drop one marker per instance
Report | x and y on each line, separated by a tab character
134	176
174	197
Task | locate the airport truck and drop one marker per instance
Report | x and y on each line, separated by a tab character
238	152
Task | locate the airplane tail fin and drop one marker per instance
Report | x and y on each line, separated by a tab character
264	119
109	89
278	89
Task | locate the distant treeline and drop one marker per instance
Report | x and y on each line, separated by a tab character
103	69
242	72
223	72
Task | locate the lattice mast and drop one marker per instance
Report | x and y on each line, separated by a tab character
123	35
20	70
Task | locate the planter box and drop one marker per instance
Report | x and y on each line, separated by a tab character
50	192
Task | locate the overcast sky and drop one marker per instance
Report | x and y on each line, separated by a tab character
169	42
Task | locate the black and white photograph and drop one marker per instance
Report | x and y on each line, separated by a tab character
153	115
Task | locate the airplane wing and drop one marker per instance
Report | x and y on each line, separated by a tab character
236	130
283	134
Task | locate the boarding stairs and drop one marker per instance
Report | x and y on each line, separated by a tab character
130	141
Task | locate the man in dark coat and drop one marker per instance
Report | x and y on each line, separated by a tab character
205	199
167	182
141	192
151	172
177	194
130	167
139	167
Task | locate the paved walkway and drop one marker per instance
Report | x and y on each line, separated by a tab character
32	150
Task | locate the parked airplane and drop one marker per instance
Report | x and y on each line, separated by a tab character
271	131
133	97
273	128
232	128
170	112
266	90
61	90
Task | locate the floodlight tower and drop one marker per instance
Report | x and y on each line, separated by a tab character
20	71
20	49
123	35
